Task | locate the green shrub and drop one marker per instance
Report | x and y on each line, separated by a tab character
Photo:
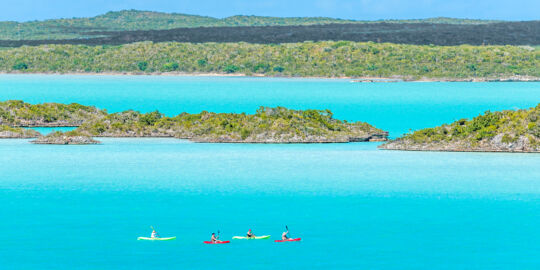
150	118
279	69
507	138
244	133
202	62
170	66
20	66
143	65
231	69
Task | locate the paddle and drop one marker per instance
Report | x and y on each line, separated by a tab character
289	235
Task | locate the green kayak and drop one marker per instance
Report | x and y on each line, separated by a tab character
157	238
252	238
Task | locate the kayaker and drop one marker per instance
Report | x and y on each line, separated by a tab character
214	238
250	234
284	235
154	234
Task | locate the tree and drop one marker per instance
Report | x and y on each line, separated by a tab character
20	66
171	66
231	69
279	69
150	118
142	65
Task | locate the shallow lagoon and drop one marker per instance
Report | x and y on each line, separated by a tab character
82	207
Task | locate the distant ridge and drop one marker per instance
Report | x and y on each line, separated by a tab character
507	33
135	20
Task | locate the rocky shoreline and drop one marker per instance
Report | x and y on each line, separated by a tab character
504	131
367	79
259	138
62	139
521	145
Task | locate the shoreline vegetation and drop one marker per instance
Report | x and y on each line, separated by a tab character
501	131
267	125
368	79
324	59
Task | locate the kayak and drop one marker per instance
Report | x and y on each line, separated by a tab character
217	242
252	238
289	240
157	238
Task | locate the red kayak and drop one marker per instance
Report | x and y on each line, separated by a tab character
289	240
217	242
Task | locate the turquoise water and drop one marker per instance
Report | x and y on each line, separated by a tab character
47	130
82	207
395	107
356	207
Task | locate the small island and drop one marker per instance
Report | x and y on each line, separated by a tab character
70	137
266	125
504	131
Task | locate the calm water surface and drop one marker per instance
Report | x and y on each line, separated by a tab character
82	207
395	107
356	207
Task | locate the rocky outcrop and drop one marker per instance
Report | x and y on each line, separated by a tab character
506	131
287	138
266	137
496	144
60	138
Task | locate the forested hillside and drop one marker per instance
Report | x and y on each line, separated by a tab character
324	59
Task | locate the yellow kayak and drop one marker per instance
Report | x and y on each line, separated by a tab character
157	238
251	238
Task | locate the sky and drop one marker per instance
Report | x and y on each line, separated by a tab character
27	10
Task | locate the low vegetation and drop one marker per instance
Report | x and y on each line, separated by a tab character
267	125
20	114
324	59
512	131
7	132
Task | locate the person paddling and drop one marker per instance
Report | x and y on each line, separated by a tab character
284	235
250	234
214	239
154	234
